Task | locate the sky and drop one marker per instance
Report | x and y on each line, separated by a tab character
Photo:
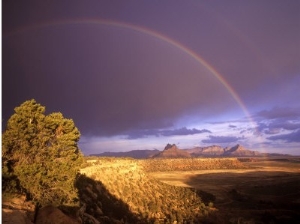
140	74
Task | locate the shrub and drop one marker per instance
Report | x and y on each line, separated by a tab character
40	156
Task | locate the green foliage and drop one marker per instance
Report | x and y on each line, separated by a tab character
40	156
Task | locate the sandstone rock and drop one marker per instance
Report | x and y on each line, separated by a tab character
171	151
11	216
17	211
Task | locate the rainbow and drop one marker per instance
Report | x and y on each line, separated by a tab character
152	33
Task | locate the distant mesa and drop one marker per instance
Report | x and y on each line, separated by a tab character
172	151
213	150
170	147
239	150
218	151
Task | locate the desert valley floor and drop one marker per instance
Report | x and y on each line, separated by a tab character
268	191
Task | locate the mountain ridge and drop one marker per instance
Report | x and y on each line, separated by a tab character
172	151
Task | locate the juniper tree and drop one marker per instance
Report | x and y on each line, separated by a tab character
40	155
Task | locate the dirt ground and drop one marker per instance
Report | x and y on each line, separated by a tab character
267	192
17	211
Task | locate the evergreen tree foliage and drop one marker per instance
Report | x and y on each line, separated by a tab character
40	156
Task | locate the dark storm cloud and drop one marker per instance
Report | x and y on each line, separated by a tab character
106	86
136	134
107	79
184	131
167	132
221	139
112	79
290	137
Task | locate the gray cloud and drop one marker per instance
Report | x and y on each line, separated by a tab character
277	119
272	131
183	131
291	137
166	132
284	124
221	139
277	126
279	112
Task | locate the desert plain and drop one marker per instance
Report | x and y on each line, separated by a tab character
266	191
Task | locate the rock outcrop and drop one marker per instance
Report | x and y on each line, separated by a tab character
171	151
17	210
218	151
239	151
214	150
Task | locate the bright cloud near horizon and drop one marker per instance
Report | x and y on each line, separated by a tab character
138	75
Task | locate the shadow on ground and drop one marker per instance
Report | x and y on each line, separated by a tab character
101	205
252	197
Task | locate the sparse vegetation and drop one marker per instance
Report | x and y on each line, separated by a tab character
188	164
146	197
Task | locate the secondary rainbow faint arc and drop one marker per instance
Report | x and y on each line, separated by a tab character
155	34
